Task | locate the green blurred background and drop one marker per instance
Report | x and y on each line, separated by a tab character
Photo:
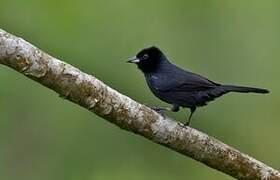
45	137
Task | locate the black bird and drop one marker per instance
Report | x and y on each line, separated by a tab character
178	87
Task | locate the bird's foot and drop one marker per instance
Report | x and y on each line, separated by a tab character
181	124
184	125
159	110
187	123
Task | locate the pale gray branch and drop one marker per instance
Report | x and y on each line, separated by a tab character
89	92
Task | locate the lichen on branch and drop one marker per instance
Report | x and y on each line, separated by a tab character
91	93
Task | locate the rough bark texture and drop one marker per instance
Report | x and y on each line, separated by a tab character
89	92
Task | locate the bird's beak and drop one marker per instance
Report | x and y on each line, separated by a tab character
133	60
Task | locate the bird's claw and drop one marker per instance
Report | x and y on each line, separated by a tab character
187	123
159	110
162	113
184	125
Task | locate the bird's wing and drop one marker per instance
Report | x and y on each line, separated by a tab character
184	81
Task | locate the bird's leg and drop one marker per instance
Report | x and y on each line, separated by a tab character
187	123
161	110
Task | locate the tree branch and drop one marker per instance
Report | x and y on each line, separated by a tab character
89	92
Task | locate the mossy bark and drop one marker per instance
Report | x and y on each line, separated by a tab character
89	92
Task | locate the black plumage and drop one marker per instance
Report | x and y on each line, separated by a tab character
179	87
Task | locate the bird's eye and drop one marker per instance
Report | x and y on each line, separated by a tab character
145	56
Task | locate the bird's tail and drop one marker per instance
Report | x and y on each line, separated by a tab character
242	89
211	94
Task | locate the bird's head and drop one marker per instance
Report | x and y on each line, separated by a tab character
148	59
